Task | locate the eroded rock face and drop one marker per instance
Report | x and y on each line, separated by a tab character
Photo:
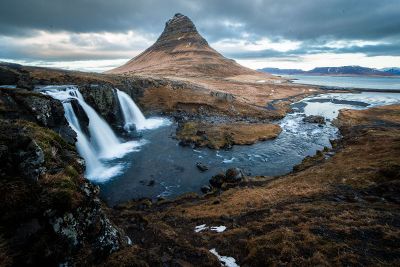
179	29
103	99
81	115
49	213
38	108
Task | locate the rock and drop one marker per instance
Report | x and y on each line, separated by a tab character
103	98
314	119
31	161
205	189
83	119
223	96
151	183
234	175
25	81
8	76
35	107
202	167
200	132
217	180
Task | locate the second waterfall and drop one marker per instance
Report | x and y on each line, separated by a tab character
132	115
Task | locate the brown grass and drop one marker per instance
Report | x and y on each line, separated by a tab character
218	136
342	210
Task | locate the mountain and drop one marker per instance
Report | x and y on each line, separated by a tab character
344	70
282	71
393	70
181	51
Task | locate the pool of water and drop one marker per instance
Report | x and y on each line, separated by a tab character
162	168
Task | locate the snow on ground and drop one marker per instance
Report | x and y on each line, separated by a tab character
218	229
225	261
200	228
203	227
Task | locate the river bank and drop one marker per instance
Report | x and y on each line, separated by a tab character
339	209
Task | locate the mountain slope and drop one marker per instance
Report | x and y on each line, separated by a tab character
182	51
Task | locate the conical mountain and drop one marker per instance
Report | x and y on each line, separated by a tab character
182	51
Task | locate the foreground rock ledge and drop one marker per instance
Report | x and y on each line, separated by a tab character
341	210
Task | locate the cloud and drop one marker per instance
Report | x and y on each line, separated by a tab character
66	46
103	29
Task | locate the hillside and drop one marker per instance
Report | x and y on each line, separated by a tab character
182	51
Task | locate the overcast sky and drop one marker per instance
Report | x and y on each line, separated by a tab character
97	35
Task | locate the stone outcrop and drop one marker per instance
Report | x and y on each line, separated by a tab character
50	214
35	107
103	99
314	119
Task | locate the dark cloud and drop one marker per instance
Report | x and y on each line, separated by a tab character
313	22
291	19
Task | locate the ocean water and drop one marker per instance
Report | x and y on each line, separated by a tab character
348	82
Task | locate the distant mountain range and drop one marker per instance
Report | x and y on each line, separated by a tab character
345	70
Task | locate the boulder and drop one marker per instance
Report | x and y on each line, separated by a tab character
202	167
234	175
314	119
206	189
217	180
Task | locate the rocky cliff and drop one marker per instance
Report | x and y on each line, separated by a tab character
50	214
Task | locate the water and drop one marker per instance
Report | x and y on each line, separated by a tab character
102	145
95	169
133	116
361	82
162	168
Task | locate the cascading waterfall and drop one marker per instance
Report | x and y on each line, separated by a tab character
133	116
103	143
93	165
102	137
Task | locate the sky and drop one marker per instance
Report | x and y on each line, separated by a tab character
97	35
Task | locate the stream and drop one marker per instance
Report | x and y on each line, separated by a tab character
162	168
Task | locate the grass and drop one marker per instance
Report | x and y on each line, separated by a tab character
343	210
218	136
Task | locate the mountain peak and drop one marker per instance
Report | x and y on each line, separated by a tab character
181	50
180	29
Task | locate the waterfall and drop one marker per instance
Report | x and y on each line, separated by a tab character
102	136
93	165
102	144
133	116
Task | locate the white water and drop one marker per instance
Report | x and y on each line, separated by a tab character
103	143
133	116
94	168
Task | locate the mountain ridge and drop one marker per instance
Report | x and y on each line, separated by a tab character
343	70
